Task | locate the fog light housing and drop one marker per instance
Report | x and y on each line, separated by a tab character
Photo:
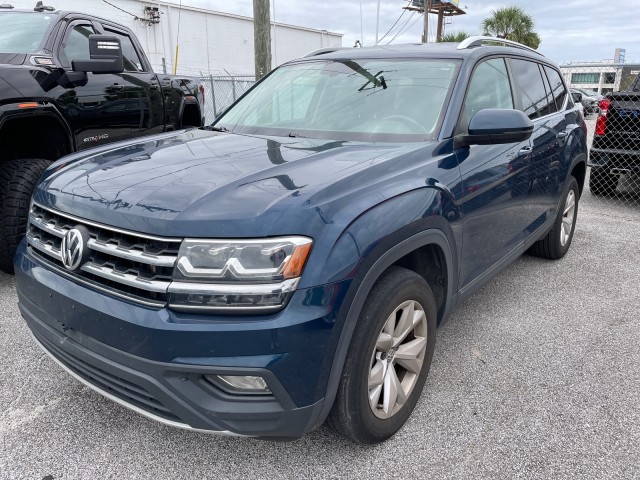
240	384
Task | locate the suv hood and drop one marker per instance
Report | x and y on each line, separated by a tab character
201	183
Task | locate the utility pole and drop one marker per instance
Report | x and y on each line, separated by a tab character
425	35
440	24
262	37
377	22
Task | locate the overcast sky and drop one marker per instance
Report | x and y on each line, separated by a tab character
571	30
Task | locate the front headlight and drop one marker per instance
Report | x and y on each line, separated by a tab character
247	276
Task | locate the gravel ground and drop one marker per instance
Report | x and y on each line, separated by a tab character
536	376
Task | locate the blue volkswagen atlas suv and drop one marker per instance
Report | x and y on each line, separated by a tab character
289	264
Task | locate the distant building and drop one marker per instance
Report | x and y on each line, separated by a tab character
603	77
209	42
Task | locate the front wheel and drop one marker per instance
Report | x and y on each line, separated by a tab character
388	359
557	242
18	179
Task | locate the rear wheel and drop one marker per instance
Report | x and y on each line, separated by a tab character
388	359
603	183
557	242
18	179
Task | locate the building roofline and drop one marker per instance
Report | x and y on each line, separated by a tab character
240	17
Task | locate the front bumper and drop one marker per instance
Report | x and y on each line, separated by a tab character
154	361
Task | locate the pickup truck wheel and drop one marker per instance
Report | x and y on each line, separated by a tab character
18	179
602	183
388	359
557	242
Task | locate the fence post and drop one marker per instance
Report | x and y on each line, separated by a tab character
233	87
213	96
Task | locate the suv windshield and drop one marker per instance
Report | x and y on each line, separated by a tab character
22	32
365	100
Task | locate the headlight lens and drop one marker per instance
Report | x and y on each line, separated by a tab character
242	276
267	260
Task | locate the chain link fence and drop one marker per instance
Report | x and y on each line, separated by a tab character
610	97
222	91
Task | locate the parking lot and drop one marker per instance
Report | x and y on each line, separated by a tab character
537	376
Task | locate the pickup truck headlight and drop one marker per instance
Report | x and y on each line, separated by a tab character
242	276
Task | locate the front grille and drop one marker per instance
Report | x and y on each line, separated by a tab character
107	382
136	266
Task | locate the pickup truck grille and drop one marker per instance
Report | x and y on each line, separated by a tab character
126	264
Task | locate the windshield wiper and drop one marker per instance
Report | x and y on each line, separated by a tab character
373	79
215	129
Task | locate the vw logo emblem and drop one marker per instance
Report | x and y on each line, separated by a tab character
72	249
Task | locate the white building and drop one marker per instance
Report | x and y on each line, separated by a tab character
601	77
209	42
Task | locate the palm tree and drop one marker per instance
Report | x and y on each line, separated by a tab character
512	23
455	37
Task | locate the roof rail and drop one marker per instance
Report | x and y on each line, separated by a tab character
321	51
477	41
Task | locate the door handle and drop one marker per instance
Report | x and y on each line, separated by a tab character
117	86
154	86
527	149
562	135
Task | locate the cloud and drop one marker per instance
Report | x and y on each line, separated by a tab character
572	30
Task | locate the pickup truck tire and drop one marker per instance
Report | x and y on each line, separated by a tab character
602	183
388	361
556	243
18	179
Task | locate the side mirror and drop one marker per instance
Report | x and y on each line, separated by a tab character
577	97
496	126
105	55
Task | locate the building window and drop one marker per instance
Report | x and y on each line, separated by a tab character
609	77
585	78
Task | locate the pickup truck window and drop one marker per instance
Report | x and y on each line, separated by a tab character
364	99
22	32
132	62
76	46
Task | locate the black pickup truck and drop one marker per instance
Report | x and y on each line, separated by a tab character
70	81
616	144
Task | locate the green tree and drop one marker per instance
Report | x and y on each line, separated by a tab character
512	23
455	37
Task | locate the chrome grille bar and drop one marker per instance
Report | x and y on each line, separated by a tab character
133	255
129	279
48	227
44	247
131	265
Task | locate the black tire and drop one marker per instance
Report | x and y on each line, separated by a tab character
18	179
352	415
602	183
552	246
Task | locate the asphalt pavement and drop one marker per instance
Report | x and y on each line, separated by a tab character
536	376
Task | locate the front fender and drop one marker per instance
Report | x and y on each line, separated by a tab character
374	242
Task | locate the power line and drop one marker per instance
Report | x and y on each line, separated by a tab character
128	13
402	29
395	23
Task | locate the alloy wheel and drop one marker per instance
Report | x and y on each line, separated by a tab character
397	359
567	218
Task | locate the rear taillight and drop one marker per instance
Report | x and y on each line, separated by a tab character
601	123
202	92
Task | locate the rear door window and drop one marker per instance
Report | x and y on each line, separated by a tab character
558	90
535	100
